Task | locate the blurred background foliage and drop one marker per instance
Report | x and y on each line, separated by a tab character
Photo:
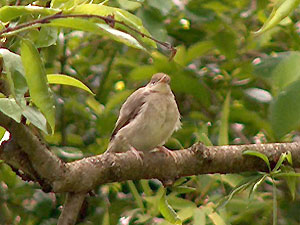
232	87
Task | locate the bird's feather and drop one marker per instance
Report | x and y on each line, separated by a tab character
130	109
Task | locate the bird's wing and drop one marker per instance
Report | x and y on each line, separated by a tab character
130	109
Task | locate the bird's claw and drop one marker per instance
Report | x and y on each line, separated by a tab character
137	154
167	152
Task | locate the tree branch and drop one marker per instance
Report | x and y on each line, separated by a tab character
85	174
71	208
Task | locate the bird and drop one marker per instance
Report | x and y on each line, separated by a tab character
147	119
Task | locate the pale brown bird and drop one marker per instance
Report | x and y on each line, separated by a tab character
147	118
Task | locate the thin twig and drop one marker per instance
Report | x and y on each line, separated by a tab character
107	19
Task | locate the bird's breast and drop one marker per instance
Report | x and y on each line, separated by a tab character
155	123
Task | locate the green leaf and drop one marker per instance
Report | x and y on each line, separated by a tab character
47	36
15	110
280	70
95	105
167	211
179	203
129	5
35	117
280	161
10	108
223	132
259	155
37	82
146	187
187	84
228	37
184	57
290	180
15	73
280	11
183	189
213	215
198	49
286	175
67	80
153	23
8	13
285	110
257	184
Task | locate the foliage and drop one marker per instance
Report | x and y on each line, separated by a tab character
68	77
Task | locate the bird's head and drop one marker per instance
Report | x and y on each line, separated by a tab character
160	83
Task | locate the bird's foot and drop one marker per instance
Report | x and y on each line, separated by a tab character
137	154
168	152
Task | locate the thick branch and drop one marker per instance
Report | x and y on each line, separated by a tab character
46	164
85	174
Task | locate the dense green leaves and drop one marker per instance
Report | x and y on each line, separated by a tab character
217	54
37	82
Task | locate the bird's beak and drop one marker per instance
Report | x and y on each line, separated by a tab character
165	79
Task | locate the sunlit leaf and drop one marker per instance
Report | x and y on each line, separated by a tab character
67	80
37	82
8	13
